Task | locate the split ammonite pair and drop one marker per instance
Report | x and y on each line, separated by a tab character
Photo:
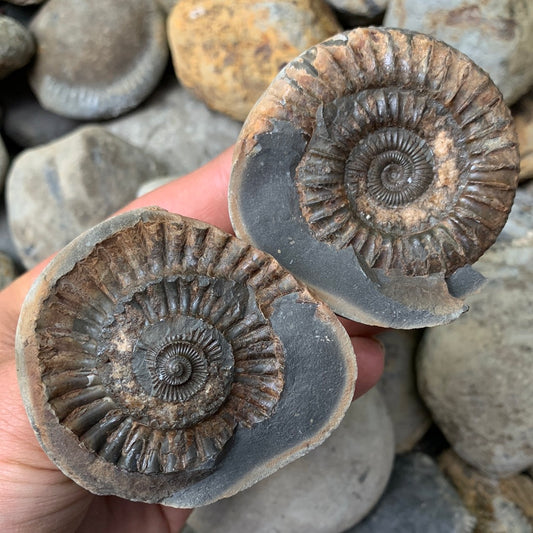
162	360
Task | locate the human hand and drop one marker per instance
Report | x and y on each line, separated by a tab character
34	495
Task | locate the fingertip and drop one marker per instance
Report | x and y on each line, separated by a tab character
370	355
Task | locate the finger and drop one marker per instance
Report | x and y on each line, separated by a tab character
355	329
203	194
370	360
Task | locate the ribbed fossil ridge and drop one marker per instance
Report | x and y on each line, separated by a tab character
157	345
412	157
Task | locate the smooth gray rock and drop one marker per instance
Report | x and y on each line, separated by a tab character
367	9
4	163
16	45
496	34
418	499
56	191
326	491
97	59
177	129
476	375
7	270
410	417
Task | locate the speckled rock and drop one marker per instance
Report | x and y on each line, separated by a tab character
16	45
56	191
496	34
7	270
500	506
523	119
26	122
4	163
176	129
418	499
97	59
410	416
151	185
228	52
476	375
326	491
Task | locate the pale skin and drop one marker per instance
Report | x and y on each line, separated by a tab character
34	494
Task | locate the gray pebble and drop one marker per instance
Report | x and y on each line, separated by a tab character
177	129
410	417
418	499
57	191
326	491
497	35
97	59
16	45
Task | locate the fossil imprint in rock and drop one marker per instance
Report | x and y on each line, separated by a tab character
162	360
377	167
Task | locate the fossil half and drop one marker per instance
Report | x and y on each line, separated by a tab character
377	167
162	360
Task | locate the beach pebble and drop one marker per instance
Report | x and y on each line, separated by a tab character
418	499
475	374
97	59
410	417
504	505
7	270
16	45
497	35
523	119
326	491
227	53
57	191
176	129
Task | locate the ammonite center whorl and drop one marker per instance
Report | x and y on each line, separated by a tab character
155	341
396	147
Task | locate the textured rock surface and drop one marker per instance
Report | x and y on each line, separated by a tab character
7	270
500	506
228	52
56	191
476	375
418	499
409	415
176	129
496	34
4	163
325	492
523	118
97	59
16	45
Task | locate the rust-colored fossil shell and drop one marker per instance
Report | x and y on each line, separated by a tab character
148	344
398	148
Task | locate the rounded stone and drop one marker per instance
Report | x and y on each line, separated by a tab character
16	45
56	191
227	53
97	59
500	505
475	375
7	270
409	415
176	129
496	35
165	361
418	499
326	491
360	8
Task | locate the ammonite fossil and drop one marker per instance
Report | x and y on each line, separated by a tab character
377	167
163	360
